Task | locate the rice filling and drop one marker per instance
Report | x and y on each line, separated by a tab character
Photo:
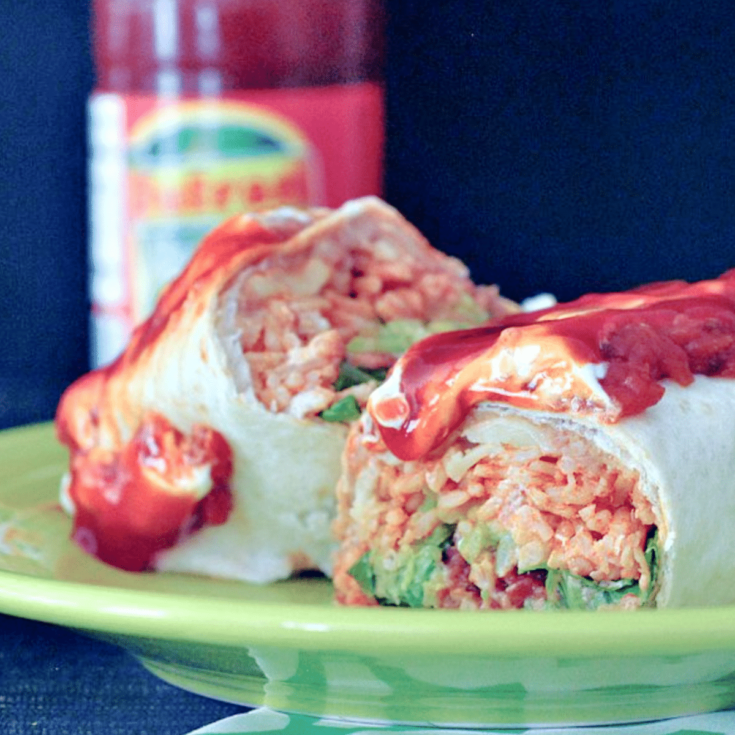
504	514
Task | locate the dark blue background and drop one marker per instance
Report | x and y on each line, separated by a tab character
567	146
555	146
45	76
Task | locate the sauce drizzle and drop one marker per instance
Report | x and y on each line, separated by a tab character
603	354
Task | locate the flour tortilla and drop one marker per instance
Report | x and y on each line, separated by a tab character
283	467
186	364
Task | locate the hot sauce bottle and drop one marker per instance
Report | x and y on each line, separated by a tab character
207	108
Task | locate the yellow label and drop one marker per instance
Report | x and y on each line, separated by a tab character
192	164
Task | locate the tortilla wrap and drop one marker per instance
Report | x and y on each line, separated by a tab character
204	447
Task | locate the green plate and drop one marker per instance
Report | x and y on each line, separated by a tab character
287	647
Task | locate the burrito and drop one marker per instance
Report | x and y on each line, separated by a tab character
212	444
582	456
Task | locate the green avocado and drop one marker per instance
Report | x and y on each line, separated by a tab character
397	336
411	575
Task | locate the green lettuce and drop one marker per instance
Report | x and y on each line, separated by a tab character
410	578
347	409
571	591
351	375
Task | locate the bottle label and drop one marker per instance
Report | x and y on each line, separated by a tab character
163	173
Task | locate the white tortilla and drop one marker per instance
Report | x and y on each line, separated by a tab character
193	372
682	447
284	468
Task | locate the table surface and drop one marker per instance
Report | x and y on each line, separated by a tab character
54	681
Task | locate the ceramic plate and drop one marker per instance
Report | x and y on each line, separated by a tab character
288	648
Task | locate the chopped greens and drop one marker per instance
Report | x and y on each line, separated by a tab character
351	375
345	409
567	590
407	579
362	572
652	554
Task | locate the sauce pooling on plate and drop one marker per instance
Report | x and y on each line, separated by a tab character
604	355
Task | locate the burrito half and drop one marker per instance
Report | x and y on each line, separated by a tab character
579	457
212	444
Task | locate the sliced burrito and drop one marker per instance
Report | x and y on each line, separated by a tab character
582	456
212	444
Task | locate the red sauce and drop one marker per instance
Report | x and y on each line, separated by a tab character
517	588
638	338
251	45
131	504
458	587
511	591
